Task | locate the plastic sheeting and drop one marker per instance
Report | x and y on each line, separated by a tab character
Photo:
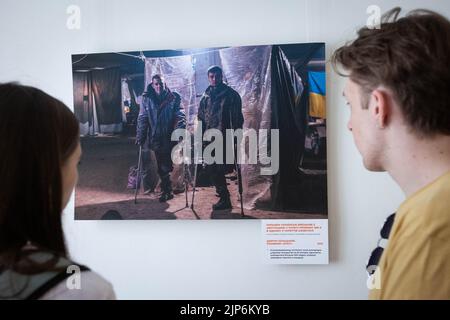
178	74
247	70
273	97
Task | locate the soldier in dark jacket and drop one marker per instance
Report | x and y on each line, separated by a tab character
159	115
218	104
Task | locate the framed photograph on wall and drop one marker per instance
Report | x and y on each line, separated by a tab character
211	133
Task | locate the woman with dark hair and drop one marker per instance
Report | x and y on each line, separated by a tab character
40	151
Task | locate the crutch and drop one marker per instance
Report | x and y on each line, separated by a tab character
186	185
138	178
194	184
237	167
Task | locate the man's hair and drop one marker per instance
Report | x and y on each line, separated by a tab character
215	70
157	77
410	56
149	86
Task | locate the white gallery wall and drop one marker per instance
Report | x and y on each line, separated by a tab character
210	259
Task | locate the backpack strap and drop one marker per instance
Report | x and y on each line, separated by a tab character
51	283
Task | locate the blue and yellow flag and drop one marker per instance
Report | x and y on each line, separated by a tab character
317	93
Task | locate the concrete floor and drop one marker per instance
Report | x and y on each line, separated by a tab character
102	189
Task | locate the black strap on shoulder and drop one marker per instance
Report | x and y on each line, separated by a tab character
39	292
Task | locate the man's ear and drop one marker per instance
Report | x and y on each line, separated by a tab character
381	108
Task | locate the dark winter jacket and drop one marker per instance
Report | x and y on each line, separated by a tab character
158	117
216	106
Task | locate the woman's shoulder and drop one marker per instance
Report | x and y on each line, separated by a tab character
89	286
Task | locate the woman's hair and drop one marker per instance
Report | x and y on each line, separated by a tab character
38	133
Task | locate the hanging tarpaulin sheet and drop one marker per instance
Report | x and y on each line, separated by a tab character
106	85
287	117
247	70
82	100
81	93
317	94
178	75
273	97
